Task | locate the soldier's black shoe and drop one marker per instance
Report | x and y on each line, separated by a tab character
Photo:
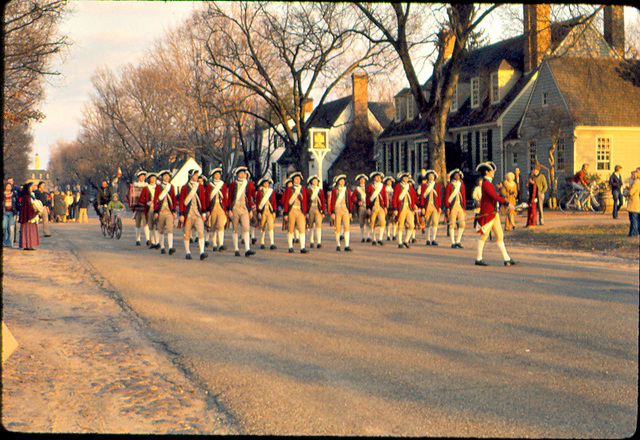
188	257
400	246
163	251
222	248
249	253
362	241
368	240
138	243
253	240
510	263
406	244
428	243
311	245
242	241
319	245
206	244
481	263
172	251
273	247
338	248
341	237
262	246
459	246
373	243
380	242
148	242
453	246
155	246
388	238
237	254
347	249
215	248
303	251
203	256
296	240
291	250
434	243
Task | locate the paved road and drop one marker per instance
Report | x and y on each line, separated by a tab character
384	341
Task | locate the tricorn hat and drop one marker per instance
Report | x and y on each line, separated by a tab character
361	176
431	172
313	176
141	173
376	173
401	174
455	171
150	175
163	172
265	179
215	170
484	166
294	174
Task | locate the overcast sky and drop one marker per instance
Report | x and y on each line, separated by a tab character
113	34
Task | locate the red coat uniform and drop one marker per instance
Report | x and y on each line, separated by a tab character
382	197
272	199
184	192
356	198
413	197
321	199
488	203
302	196
145	197
447	193
437	190
250	195
171	196
332	202
223	196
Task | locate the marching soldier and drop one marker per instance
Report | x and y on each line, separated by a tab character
377	205
147	197
340	208
216	195
488	218
404	204
266	208
455	200
166	204
139	208
193	212
316	209
241	201
392	224
429	202
295	210
359	203
417	220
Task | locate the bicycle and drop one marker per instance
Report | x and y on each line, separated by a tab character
582	200
115	226
105	220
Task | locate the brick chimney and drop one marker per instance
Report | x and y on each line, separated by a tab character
614	27
307	106
537	34
360	98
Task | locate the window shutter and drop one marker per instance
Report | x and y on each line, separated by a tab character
490	144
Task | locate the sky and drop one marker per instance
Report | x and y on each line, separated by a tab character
112	34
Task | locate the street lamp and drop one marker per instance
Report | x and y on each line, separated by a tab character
319	148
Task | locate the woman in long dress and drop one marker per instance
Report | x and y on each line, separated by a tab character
29	237
532	201
509	193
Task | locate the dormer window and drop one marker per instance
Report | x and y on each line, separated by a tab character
475	92
454	100
495	88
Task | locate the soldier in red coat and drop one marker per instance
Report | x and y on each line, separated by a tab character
359	203
133	199
377	205
217	197
455	200
488	218
266	207
315	210
193	208
404	205
148	198
240	208
430	203
340	208
294	203
165	207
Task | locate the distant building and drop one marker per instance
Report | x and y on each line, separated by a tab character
37	174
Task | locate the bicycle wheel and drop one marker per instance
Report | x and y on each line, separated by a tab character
567	204
119	229
597	207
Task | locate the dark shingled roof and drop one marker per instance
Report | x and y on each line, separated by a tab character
329	112
597	91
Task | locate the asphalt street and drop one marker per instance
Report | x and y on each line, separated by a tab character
388	341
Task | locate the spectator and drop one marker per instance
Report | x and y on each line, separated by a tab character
541	185
16	193
59	206
46	203
76	208
476	195
633	205
29	237
68	200
517	177
509	193
83	205
10	212
615	182
532	201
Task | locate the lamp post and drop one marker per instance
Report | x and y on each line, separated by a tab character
319	148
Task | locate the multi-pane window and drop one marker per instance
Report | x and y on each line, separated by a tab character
603	154
533	154
398	109
545	99
560	155
495	88
484	146
515	158
475	92
454	99
410	106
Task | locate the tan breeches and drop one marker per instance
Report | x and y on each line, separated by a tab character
406	215
362	215
432	216
342	219
315	218
456	214
217	219
140	218
493	226
296	221
378	215
166	221
190	222
151	221
241	219
268	218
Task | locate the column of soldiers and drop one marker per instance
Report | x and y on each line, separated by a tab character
381	204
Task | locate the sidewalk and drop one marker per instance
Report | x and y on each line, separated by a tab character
81	366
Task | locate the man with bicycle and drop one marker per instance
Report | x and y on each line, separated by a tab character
103	198
580	182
